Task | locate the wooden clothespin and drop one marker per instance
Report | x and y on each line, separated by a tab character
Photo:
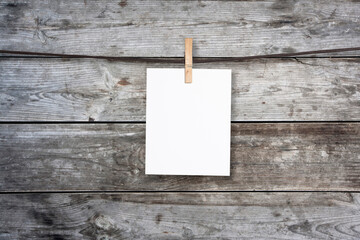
188	60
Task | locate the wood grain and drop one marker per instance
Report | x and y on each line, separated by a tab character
282	156
94	90
110	157
180	216
157	28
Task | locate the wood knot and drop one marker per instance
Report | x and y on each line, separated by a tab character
123	82
123	3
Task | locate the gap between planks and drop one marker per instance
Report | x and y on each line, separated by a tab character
144	122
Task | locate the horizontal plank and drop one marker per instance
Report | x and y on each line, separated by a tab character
97	90
180	216
158	28
282	156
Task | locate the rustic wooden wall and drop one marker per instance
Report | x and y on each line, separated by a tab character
72	131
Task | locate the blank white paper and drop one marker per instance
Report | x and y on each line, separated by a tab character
188	125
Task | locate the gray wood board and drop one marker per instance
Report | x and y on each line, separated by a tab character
279	156
158	28
262	90
180	216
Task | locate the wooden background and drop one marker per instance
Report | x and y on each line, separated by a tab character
72	131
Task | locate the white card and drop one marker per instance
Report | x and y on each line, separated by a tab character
188	125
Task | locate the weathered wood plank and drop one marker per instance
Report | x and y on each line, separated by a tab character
282	156
158	28
263	90
180	216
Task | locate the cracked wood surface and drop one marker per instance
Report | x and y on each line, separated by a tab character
98	90
180	216
106	157
273	156
158	28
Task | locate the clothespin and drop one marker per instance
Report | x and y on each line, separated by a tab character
188	60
